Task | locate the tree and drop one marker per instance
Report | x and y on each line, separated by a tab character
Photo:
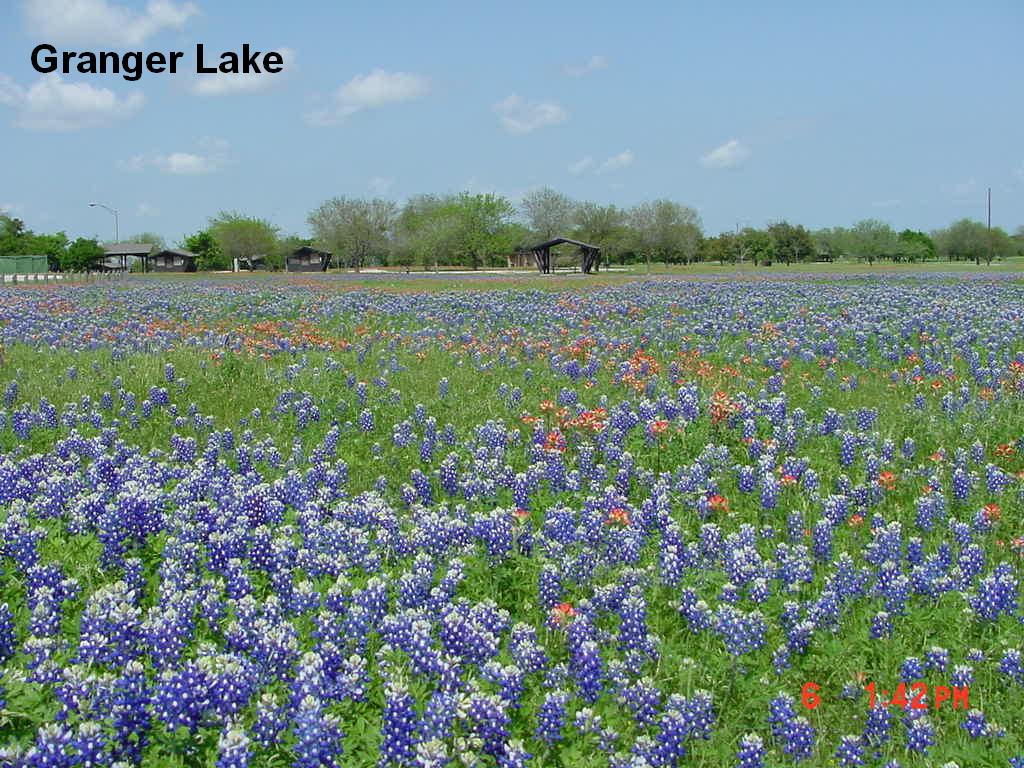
12	231
15	240
245	237
871	239
209	256
963	240
424	231
722	248
666	231
481	227
356	230
916	246
832	243
82	255
1018	238
756	245
604	226
1000	246
791	243
148	237
548	213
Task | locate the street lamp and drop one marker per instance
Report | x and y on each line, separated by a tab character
111	210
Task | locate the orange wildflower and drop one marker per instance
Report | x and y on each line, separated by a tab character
617	516
718	503
887	480
562	612
992	512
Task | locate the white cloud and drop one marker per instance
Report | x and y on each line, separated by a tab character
593	64
224	83
379	185
520	116
616	162
212	156
144	209
372	91
50	104
100	22
729	155
12	209
581	166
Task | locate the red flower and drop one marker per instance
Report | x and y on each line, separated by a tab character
562	613
887	480
617	516
992	512
718	503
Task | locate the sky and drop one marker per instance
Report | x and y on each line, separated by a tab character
818	113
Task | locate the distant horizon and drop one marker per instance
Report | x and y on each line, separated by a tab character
818	116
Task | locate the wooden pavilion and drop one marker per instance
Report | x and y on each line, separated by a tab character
308	259
590	255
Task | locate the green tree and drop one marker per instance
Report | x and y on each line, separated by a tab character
482	228
12	231
424	231
355	230
83	255
871	239
209	256
152	238
721	248
963	240
245	237
791	243
605	226
548	213
1000	245
666	231
52	246
832	243
15	239
756	246
916	246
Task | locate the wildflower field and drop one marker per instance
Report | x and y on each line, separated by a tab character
666	522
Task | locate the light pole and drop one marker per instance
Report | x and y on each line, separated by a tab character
110	210
117	235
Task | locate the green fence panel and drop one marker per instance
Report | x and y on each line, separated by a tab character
23	265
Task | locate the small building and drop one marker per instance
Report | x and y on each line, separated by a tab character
171	260
308	259
120	257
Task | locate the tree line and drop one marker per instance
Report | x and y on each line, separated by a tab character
475	231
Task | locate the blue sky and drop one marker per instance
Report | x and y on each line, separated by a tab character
822	113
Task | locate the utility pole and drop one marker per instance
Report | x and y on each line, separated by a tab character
989	225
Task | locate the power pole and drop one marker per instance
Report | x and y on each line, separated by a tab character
989	232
